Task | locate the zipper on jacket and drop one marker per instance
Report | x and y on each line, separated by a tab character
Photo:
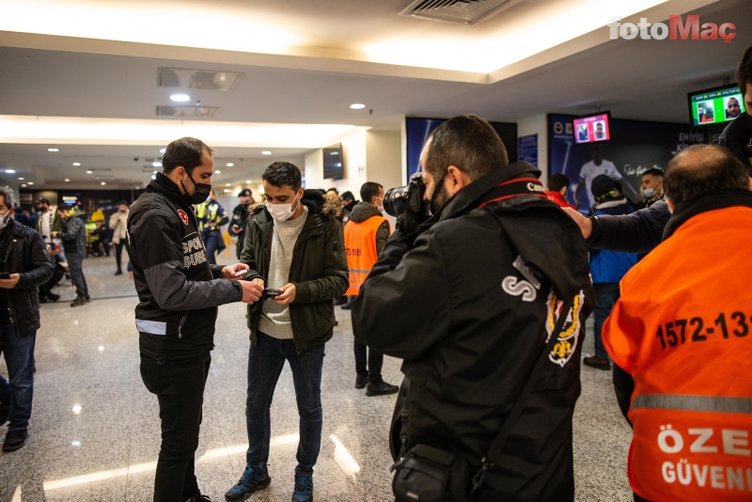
180	326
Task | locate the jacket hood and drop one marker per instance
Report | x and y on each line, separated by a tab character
362	211
566	266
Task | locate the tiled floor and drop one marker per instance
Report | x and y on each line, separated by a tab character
94	433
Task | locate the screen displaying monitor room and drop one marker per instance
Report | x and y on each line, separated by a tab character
715	106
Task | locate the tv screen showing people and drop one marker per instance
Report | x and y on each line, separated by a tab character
715	106
592	128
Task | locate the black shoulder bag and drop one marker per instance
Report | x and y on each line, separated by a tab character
430	474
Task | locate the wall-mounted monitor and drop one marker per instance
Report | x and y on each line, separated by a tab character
333	162
715	106
592	128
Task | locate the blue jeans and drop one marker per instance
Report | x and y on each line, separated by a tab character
606	294
17	393
265	361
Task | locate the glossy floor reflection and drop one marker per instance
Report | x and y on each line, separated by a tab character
94	432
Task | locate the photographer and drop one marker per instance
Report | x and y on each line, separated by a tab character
468	298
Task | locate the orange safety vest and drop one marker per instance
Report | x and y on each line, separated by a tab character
683	330
360	247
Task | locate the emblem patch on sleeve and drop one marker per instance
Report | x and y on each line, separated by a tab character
183	216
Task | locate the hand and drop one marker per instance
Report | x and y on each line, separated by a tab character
585	224
252	291
229	271
287	294
11	282
54	234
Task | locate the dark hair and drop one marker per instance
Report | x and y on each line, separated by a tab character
122	202
332	189
369	190
557	181
282	173
348	195
468	142
186	152
702	169
744	71
44	200
653	171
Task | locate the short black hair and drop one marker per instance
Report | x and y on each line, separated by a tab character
122	202
283	173
348	195
368	190
653	171
744	71
702	169
557	181
186	152
468	142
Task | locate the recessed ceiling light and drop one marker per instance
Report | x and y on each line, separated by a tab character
10	171
76	164
156	163
230	164
53	149
266	152
103	183
30	183
162	150
21	178
357	106
67	180
248	182
180	97
23	185
226	190
217	172
227	184
89	172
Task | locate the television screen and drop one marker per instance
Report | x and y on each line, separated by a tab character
715	106
592	128
333	162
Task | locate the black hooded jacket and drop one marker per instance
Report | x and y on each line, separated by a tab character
178	291
466	307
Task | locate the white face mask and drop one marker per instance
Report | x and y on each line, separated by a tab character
4	220
648	192
280	212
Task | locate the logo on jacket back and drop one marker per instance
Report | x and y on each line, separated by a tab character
183	216
193	252
569	335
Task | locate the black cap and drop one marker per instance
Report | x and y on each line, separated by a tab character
245	193
602	184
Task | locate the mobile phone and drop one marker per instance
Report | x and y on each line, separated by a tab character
240	273
271	292
4	275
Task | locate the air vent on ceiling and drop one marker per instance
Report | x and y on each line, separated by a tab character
187	78
186	111
455	11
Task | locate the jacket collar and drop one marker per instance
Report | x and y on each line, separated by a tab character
488	188
165	186
707	202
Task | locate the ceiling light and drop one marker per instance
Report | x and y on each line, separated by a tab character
30	183
230	164
76	164
23	185
103	183
156	163
266	152
226	190
162	150
217	172
180	97
67	180
21	178
89	172
247	182
10	171
227	184
53	149
357	106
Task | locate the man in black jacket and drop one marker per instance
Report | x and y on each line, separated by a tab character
239	218
178	294
25	265
297	249
469	298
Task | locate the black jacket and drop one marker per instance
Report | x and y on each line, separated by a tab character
73	233
318	270
26	254
178	290
737	137
466	306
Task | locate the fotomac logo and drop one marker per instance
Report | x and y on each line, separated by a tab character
676	29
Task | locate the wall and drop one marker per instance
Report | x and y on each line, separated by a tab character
537	125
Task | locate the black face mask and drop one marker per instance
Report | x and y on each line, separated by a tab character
200	195
432	204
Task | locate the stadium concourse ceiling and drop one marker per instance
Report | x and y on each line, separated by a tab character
94	79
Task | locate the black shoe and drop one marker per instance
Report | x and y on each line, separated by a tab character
597	362
199	497
119	272
340	301
52	297
361	381
347	306
87	298
80	300
249	482
15	439
381	389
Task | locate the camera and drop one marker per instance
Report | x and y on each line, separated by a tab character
398	200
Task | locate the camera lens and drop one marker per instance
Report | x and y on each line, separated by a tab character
395	201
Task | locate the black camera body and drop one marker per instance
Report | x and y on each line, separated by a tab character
409	197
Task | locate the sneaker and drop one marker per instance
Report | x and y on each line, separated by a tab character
247	484
15	439
597	362
80	300
361	381
381	389
303	488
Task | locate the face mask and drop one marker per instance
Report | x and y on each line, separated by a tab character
280	212
648	192
4	220
200	195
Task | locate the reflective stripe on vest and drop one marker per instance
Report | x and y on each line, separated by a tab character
694	403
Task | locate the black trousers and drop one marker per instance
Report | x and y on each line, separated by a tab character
119	255
375	361
57	274
179	386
